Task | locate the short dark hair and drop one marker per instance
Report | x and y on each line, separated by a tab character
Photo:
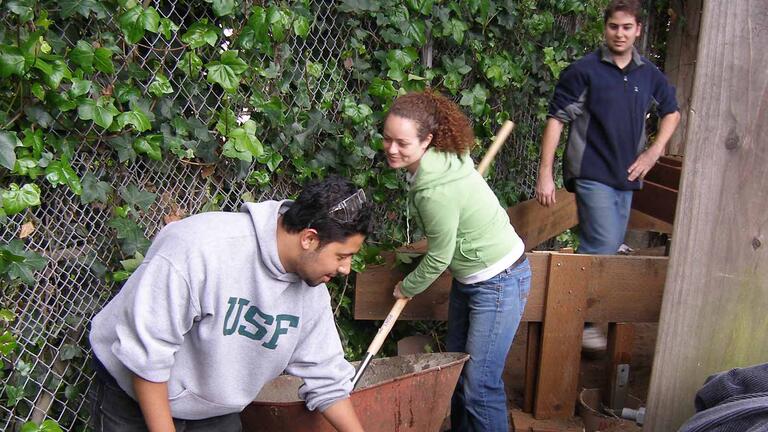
631	7
311	210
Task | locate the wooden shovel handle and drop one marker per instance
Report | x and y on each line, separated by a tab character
386	327
501	136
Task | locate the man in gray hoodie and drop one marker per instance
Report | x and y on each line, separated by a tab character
222	304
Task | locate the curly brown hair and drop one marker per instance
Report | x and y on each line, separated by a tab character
437	115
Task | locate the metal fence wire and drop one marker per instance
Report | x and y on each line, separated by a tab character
53	316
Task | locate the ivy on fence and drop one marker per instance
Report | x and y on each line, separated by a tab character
111	112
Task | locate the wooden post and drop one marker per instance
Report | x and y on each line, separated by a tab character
680	64
620	343
714	307
565	309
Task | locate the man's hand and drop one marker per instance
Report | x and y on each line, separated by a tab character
397	293
643	164
545	190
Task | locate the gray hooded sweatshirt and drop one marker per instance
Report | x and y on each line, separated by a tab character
212	312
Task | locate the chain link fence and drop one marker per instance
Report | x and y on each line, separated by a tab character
52	322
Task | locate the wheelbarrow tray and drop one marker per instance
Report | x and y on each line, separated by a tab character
404	393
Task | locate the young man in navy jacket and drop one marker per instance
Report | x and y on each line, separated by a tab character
605	98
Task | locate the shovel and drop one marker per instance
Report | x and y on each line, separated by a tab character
394	313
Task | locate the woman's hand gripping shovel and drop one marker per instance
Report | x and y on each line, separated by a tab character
394	313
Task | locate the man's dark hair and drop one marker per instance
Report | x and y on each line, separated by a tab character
631	7
313	207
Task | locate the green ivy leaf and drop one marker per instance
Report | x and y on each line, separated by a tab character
132	264
82	55
227	121
150	146
475	99
424	7
15	395
82	7
6	316
243	143
102	60
416	30
17	199
255	34
271	159
191	64
358	113
167	28
136	118
125	92
8	142
382	88
279	23
124	147
54	72
38	90
301	26
79	87
160	85
137	197
456	29
102	112
12	62
226	72
130	234
7	343
222	7
94	190
201	33
22	8
135	21
69	352
60	172
359	6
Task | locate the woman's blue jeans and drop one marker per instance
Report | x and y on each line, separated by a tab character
482	321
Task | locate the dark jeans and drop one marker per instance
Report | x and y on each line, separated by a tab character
113	410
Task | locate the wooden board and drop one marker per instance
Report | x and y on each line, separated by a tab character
622	288
642	222
532	349
621	338
536	224
680	64
565	310
657	201
714	312
665	175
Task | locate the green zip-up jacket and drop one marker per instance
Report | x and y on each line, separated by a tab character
466	227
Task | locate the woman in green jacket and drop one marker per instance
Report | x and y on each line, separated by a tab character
469	233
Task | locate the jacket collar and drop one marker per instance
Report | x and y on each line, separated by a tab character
607	56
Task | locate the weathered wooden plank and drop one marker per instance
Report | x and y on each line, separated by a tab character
714	311
621	337
622	288
656	200
536	224
532	348
665	175
680	64
643	222
565	310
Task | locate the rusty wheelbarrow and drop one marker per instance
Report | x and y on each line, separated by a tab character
406	393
